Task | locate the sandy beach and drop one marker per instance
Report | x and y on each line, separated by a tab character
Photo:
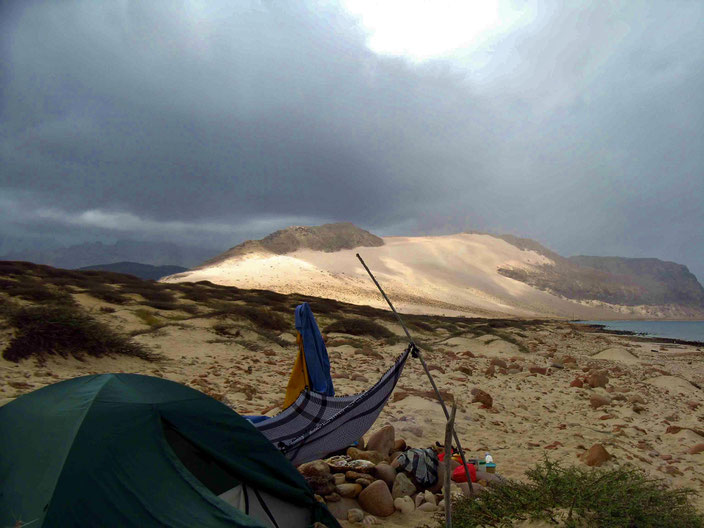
648	410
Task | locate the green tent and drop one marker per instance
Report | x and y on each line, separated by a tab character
131	450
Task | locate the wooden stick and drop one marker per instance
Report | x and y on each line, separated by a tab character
427	372
448	466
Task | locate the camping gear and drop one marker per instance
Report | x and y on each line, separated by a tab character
491	467
316	425
417	353
460	475
133	450
311	369
422	464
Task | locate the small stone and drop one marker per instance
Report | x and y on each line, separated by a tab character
364	482
598	378
482	397
333	497
339	478
376	499
428	507
404	504
490	372
349	491
596	401
430	497
402	486
695	450
316	468
355	515
400	445
370	520
420	499
498	363
382	441
595	456
636	398
372	456
538	370
386	473
577	382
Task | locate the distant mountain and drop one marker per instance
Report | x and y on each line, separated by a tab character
143	271
87	254
614	280
327	237
467	273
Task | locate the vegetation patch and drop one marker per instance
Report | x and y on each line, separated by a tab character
65	331
30	289
577	496
358	326
148	318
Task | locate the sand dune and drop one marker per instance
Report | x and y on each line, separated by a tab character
453	275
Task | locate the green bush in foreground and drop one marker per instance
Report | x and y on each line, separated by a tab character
580	497
65	331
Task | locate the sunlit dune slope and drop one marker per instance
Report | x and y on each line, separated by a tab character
454	274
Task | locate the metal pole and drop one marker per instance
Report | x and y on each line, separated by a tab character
425	367
448	465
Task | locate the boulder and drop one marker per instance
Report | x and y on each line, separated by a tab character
402	486
404	504
595	456
386	473
376	499
597	400
382	441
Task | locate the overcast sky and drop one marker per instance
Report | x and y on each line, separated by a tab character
206	122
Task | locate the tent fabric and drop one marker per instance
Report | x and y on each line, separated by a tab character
316	425
93	451
299	379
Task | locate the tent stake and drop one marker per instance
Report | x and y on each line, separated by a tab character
417	352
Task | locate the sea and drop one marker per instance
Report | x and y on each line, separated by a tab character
686	330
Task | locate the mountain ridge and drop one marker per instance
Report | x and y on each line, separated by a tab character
477	273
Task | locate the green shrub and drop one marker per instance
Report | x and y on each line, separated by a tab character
578	496
31	289
148	317
107	294
65	331
358	326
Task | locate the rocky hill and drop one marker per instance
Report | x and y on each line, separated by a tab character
327	238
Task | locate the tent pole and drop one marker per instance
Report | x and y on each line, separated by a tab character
417	352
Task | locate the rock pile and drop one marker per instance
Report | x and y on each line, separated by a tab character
363	485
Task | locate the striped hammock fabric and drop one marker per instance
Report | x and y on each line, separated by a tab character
316	425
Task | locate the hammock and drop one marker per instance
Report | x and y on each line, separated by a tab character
316	425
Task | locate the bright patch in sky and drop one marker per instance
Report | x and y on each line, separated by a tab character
422	30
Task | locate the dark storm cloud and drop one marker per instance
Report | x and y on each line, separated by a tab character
220	121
